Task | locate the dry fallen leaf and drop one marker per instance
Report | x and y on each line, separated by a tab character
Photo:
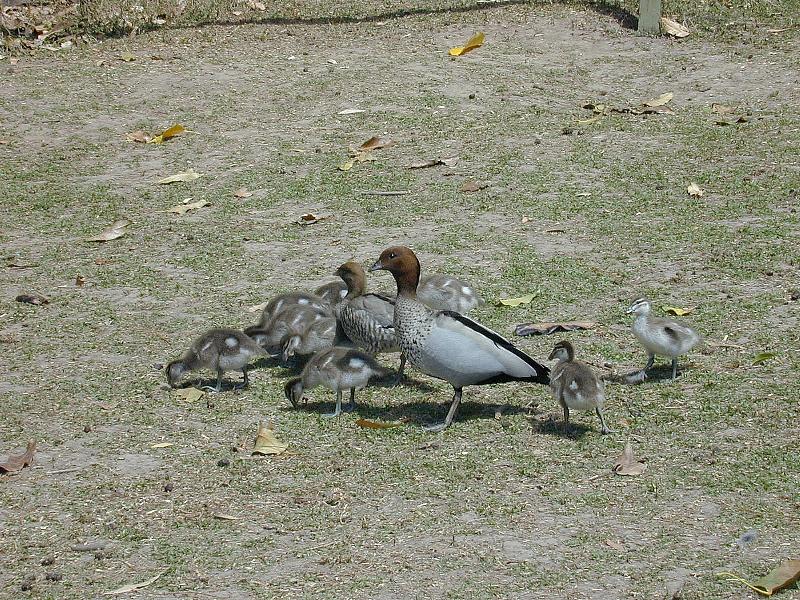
162	445
138	136
182	209
112	232
167	134
16	462
448	162
476	41
677	311
311	218
722	109
732	120
35	299
132	587
660	101
626	464
368	424
763	357
127	57
516	301
674	28
80	280
474	186
224	517
695	191
780	578
189	175
350	111
190	394
243	193
551	328
257	307
266	442
615	545
376	143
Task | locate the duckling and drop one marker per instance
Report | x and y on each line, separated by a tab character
443	292
366	319
332	292
293	319
575	385
664	337
446	344
219	350
338	369
283	301
320	335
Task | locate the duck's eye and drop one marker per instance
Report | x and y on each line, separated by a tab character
392	255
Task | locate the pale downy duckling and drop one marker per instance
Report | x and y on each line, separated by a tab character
664	337
444	292
218	350
320	335
332	292
447	345
575	385
366	319
338	369
284	301
293	319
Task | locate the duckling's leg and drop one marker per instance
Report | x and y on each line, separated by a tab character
674	367
338	410
352	405
245	380
566	415
604	428
218	388
450	413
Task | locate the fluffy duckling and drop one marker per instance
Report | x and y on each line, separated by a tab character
664	337
338	369
575	385
367	319
320	335
447	345
284	301
443	292
219	350
332	292
294	319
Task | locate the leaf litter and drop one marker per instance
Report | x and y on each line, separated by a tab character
266	443
476	41
433	162
551	328
677	311
695	191
190	394
189	175
364	152
782	577
627	464
17	462
182	209
167	134
112	232
132	587
514	302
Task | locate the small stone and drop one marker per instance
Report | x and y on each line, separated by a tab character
87	429
54	576
169	487
472	96
223	462
48	560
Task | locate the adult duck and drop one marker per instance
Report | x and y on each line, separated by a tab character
447	345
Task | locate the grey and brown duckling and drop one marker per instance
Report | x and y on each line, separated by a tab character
339	369
283	301
320	335
445	292
446	344
366	318
218	350
574	384
291	320
332	292
659	336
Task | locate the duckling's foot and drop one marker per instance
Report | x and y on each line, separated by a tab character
436	428
635	377
351	406
338	410
211	389
450	414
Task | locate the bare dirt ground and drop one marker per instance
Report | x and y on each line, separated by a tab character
506	507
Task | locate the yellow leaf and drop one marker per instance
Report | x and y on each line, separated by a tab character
189	394
347	165
189	175
660	101
127	57
694	190
476	41
132	587
266	442
167	134
780	578
516	301
162	445
678	312
182	209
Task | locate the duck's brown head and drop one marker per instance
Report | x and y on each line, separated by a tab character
402	263
562	351
354	276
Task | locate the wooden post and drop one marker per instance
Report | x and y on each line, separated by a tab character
650	17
